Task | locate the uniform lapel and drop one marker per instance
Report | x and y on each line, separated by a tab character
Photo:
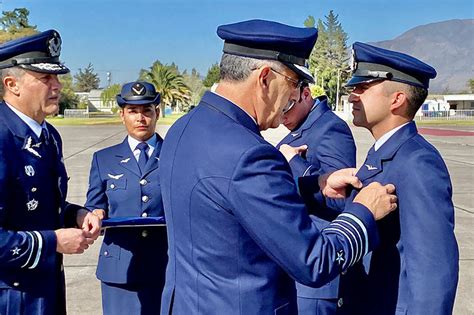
126	158
374	163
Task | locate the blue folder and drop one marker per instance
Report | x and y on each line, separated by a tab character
120	222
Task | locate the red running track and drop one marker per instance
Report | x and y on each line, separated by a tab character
445	132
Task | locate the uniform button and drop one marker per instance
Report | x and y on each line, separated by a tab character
144	214
112	186
340	302
144	233
145	198
106	253
15	284
33	189
344	272
143	182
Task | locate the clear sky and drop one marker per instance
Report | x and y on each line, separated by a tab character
125	36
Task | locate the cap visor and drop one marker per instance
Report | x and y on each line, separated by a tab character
359	80
301	71
54	68
122	102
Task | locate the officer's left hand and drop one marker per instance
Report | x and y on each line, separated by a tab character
289	152
89	222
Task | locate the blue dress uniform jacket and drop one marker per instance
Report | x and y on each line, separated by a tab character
132	256
330	147
237	229
415	269
33	187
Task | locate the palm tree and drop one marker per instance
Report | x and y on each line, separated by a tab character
169	83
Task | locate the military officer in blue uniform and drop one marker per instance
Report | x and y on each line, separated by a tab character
33	182
328	146
415	269
124	182
237	230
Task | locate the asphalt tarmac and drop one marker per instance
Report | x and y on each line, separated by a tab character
80	142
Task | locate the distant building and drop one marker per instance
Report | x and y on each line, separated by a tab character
94	101
460	101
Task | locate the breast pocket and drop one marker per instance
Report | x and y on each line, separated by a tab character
116	184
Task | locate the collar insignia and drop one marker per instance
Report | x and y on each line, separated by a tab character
30	148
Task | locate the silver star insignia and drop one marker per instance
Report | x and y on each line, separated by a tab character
16	251
340	257
32	205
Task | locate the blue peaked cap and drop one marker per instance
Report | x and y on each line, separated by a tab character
138	93
370	63
270	40
39	53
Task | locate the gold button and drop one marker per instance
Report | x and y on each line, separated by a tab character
112	186
144	214
106	253
33	189
145	198
340	302
15	284
143	182
144	233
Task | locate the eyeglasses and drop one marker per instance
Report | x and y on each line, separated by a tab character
288	106
296	83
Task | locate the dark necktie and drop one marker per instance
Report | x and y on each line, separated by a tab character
143	157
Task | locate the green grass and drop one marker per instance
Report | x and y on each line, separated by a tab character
170	119
60	121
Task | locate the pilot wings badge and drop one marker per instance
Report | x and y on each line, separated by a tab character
370	167
115	176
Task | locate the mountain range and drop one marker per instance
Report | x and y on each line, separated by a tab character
448	46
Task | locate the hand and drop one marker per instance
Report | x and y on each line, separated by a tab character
379	199
73	241
333	185
100	213
89	222
289	152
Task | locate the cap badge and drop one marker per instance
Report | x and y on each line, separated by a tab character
54	45
138	89
353	61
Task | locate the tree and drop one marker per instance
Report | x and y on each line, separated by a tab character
470	84
67	99
169	83
15	24
196	87
108	96
329	59
213	76
86	79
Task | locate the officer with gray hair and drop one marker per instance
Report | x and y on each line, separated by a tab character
33	182
237	230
